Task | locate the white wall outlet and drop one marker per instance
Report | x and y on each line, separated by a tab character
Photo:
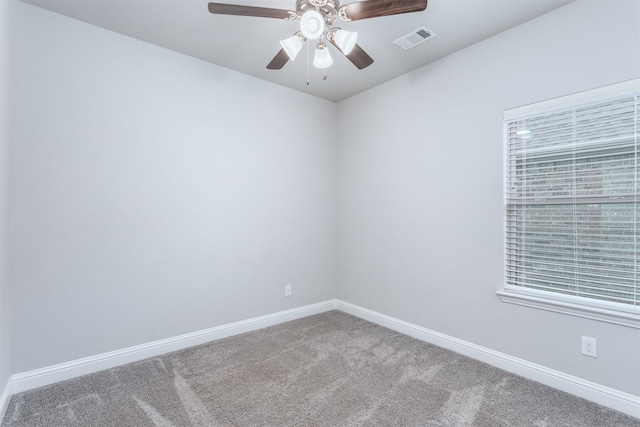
287	290
589	347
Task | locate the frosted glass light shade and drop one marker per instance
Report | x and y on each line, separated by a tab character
322	58
312	25
346	40
292	46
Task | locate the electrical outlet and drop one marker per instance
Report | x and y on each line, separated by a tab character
287	290
589	347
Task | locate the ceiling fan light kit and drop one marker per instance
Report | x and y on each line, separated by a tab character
312	25
317	18
293	45
322	58
344	40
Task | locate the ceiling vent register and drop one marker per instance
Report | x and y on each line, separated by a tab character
414	38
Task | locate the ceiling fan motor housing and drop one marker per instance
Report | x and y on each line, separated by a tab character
327	8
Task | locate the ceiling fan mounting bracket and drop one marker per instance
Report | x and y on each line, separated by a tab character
342	14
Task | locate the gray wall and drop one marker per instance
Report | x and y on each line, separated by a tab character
5	301
156	194
420	188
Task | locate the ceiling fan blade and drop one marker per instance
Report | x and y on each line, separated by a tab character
375	8
359	57
262	12
279	60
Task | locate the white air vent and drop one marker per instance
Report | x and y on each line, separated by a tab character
414	38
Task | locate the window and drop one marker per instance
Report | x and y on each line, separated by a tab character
572	186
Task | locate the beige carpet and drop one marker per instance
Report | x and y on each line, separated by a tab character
326	370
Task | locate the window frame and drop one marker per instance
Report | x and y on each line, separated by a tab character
591	308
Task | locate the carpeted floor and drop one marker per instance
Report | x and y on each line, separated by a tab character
326	370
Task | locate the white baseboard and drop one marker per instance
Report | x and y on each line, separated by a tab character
75	368
606	396
5	397
620	401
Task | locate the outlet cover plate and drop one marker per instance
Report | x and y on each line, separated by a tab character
589	347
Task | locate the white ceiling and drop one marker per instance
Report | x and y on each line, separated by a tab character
247	44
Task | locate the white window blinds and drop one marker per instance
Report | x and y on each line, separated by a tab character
571	198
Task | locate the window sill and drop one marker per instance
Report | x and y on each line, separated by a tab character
630	320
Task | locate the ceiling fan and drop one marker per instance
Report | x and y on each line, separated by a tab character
317	19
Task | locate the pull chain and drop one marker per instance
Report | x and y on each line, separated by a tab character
324	63
307	64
